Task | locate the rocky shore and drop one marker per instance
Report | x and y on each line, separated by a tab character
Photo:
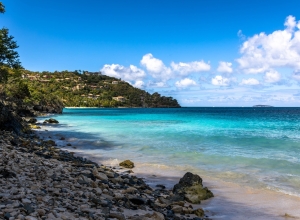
40	181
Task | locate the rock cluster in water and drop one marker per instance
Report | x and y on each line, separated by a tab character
51	121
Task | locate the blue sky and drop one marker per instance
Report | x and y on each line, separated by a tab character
203	53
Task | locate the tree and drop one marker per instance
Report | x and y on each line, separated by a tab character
9	57
2	8
17	88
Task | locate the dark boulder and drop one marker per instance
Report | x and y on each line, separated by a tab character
51	121
32	120
190	187
9	118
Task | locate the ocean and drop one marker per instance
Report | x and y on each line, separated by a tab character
253	147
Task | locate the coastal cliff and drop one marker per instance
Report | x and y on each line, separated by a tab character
9	119
13	111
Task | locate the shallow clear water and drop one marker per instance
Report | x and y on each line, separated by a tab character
258	147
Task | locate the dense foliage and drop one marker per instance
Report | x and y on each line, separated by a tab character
9	57
84	90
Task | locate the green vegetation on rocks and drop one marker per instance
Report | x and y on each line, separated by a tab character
127	164
191	189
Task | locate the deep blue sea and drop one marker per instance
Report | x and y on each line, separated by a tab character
257	147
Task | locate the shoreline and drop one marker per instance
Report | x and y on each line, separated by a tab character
41	181
241	201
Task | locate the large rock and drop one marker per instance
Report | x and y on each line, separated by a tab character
9	118
191	189
46	107
51	121
31	120
127	164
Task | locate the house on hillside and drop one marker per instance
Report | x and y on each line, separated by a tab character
34	77
119	98
78	87
114	82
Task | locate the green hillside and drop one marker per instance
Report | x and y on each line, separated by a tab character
76	89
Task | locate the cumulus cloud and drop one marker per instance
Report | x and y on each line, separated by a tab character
186	68
185	83
156	67
281	48
139	84
272	76
220	81
250	82
131	73
224	67
158	84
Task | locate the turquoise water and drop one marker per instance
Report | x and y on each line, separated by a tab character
259	147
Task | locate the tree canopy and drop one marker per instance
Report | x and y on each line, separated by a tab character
9	57
2	8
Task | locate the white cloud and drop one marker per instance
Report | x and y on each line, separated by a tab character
156	67
290	23
157	84
220	81
250	82
131	73
191	67
281	48
139	84
241	35
272	76
224	67
185	83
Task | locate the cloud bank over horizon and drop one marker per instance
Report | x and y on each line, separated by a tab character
269	64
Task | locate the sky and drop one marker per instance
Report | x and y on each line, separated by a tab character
201	52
